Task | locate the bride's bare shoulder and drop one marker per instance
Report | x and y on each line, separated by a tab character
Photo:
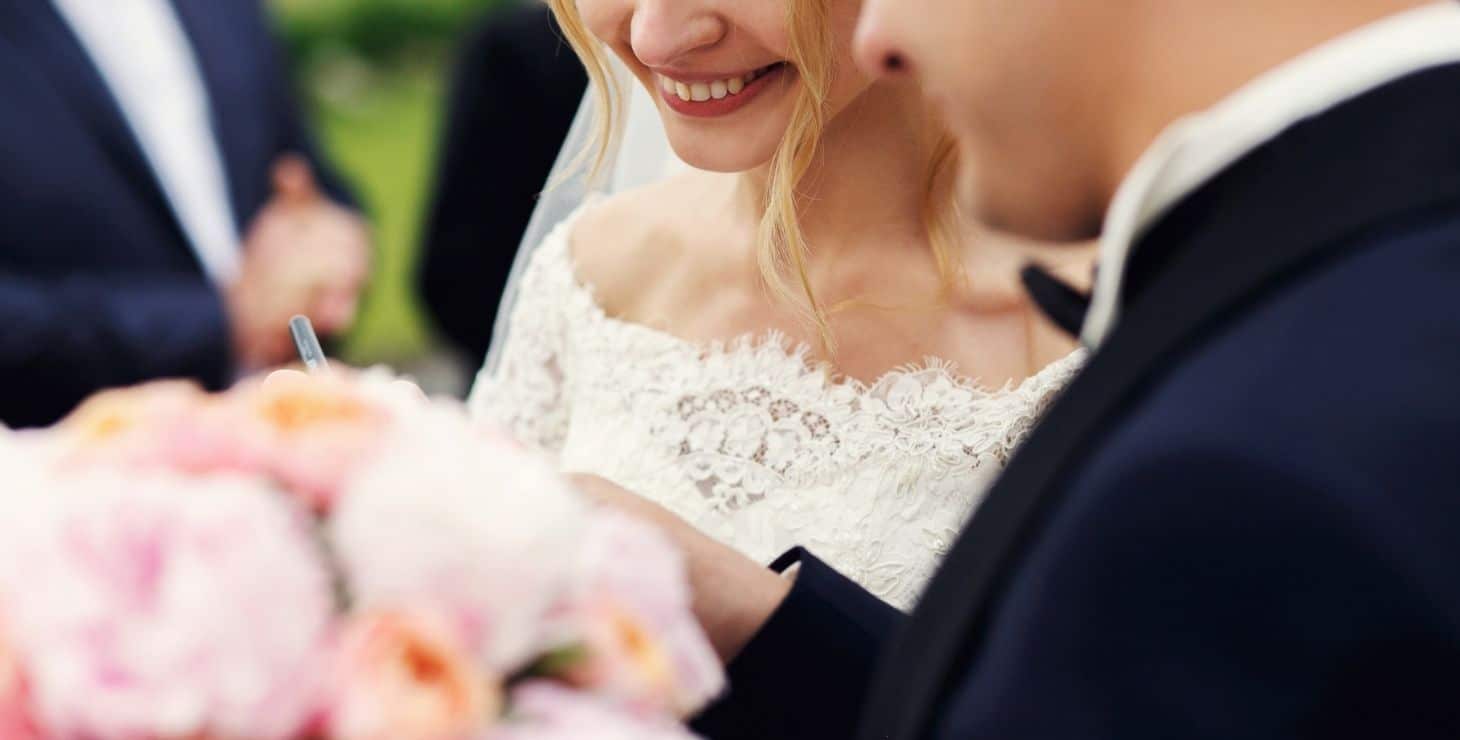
625	245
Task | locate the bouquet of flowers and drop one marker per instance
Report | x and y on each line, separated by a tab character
325	556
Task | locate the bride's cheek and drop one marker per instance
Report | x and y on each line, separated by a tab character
607	20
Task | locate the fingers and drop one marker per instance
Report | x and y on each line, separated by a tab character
407	387
313	260
294	181
600	491
334	310
261	347
303	254
286	377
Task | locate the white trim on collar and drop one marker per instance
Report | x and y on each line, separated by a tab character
1195	149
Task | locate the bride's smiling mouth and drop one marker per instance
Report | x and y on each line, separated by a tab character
708	97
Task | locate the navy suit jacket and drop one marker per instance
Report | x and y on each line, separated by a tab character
1241	521
98	284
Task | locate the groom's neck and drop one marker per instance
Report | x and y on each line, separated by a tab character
1184	57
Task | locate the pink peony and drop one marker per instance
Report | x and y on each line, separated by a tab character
15	722
546	711
309	432
162	606
407	676
451	520
23	465
629	609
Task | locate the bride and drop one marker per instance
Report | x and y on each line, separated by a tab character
796	341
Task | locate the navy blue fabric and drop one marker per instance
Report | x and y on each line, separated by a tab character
836	632
98	285
1268	546
1243	519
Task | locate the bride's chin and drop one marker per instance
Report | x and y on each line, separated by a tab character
746	146
722	152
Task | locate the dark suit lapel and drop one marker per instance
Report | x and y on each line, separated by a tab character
1285	208
38	28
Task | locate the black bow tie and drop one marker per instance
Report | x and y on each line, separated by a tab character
1064	305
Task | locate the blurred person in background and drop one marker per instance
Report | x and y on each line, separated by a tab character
514	93
162	209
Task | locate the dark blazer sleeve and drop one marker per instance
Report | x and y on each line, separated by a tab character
805	674
514	94
71	336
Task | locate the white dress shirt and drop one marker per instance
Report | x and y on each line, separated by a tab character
1198	148
146	60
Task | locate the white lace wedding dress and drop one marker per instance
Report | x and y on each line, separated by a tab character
750	442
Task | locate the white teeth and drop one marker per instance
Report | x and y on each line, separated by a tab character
700	92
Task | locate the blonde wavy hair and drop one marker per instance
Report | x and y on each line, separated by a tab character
782	250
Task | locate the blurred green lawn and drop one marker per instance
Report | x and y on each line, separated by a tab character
384	141
373	74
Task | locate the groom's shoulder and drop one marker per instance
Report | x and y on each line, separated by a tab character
1328	406
1349	370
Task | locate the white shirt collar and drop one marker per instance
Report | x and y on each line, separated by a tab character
1197	148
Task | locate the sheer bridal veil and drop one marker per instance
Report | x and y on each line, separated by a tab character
640	154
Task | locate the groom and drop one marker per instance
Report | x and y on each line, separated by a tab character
1243	519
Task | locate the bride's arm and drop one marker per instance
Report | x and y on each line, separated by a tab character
800	649
734	595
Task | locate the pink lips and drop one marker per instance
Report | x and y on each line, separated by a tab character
714	108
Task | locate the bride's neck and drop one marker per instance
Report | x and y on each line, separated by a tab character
867	182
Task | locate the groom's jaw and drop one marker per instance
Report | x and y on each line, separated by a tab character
717	94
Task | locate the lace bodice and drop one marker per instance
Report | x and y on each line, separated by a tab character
751	442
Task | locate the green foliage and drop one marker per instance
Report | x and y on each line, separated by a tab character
372	75
378	31
384	140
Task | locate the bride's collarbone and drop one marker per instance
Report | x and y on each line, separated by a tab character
870	342
633	248
648	258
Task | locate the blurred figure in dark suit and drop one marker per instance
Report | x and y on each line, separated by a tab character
516	89
162	210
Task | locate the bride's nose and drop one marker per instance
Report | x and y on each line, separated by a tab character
662	31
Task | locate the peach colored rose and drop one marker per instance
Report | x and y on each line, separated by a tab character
132	426
622	657
405	675
309	432
628	610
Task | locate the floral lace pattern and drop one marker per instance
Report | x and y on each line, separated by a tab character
750	441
